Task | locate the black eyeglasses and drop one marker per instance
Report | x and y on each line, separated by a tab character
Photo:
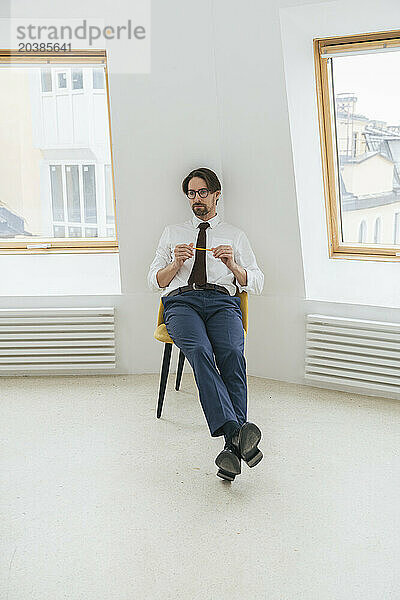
203	193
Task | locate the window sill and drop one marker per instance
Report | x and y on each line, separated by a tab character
55	250
60	274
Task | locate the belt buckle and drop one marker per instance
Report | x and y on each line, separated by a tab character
197	288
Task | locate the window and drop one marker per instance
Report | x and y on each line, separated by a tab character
77	205
396	228
359	124
62	80
377	230
57	183
98	79
110	216
77	79
362	232
47	84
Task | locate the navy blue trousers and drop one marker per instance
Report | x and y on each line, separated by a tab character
204	324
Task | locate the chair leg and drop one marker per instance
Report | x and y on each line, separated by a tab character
164	377
180	369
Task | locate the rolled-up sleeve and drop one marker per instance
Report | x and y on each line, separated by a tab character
161	260
245	258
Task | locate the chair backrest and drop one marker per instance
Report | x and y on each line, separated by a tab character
243	307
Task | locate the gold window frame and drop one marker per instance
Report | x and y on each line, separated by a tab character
64	245
337	45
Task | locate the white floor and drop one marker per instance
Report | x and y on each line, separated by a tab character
102	501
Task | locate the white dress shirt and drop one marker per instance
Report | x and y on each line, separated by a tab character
217	272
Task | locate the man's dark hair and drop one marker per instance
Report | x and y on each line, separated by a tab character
211	179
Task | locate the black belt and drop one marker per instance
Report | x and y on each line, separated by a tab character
194	286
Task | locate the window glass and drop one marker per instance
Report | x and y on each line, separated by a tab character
110	212
77	79
89	194
58	231
90	232
62	80
46	80
367	131
57	193
73	200
98	79
75	232
60	194
396	228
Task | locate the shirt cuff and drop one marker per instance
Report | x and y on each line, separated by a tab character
250	282
154	283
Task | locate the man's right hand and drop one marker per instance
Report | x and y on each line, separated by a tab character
183	252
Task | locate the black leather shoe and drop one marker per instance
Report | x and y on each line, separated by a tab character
248	437
228	462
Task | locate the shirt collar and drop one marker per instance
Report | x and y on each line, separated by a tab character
213	222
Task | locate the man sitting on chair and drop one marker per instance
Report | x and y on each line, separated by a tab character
203	317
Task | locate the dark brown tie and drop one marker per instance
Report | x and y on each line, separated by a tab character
198	274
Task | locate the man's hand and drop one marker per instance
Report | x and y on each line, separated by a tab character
183	252
225	253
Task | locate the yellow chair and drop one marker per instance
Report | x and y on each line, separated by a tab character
161	334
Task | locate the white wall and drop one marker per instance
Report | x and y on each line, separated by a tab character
215	97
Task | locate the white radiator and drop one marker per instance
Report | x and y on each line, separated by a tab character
353	351
59	339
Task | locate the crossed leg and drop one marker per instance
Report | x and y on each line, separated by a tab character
188	331
225	331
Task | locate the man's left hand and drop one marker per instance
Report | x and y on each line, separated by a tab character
225	253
